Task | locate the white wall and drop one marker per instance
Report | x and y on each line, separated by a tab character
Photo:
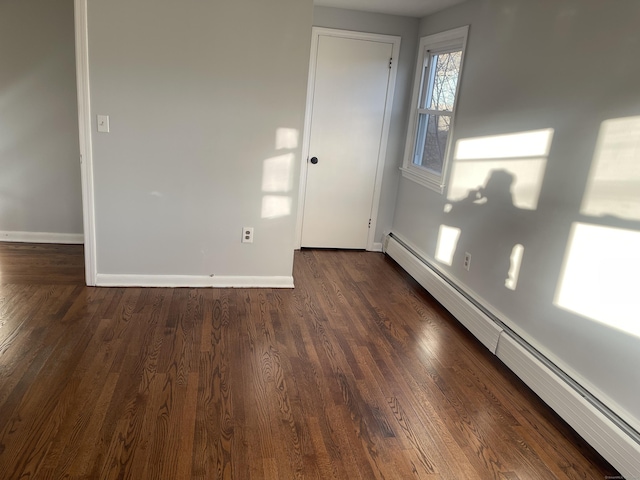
40	188
197	93
407	29
567	66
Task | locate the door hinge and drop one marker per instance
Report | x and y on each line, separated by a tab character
390	62
369	223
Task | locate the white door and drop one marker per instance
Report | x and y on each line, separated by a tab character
350	105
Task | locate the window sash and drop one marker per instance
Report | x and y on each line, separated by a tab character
429	111
429	73
430	47
433	161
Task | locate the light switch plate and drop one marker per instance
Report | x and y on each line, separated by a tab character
103	123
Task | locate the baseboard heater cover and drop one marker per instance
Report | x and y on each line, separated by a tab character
599	426
590	423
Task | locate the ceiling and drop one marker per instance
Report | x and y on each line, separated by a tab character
409	8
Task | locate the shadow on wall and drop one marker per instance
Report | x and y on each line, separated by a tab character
495	185
475	219
494	189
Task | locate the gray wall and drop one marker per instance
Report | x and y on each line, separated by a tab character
407	28
196	93
40	189
569	66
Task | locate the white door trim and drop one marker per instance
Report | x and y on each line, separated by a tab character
395	41
84	124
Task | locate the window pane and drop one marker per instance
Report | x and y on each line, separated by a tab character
444	70
431	141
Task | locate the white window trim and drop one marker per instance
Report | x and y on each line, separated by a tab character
451	38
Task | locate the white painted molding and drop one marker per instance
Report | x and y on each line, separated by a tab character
84	124
193	281
384	141
306	134
422	180
42	237
377	247
418	174
316	32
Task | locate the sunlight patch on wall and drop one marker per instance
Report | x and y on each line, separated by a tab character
528	175
614	181
277	174
511	281
600	276
286	138
277	180
524	155
535	143
447	243
276	206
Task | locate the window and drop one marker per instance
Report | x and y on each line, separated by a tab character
433	107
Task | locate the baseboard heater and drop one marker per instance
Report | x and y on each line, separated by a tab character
609	434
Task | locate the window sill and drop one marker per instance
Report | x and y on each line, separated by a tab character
422	180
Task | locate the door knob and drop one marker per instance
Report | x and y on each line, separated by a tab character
314	160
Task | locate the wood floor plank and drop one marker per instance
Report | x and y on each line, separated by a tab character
355	373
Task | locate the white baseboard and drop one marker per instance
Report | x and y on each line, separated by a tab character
194	281
608	438
377	247
598	430
42	237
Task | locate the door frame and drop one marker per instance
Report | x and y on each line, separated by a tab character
84	124
316	32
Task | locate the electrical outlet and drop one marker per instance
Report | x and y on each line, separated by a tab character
247	234
467	261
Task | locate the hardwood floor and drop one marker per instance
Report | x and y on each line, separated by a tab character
356	373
